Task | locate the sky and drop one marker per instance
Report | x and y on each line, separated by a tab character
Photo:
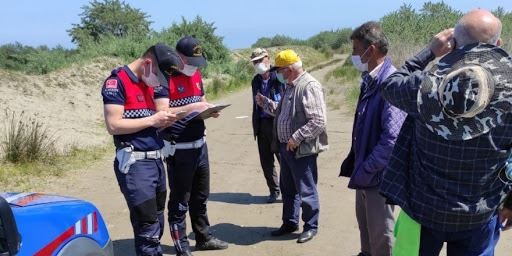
239	22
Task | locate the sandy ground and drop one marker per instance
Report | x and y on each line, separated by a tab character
68	102
237	209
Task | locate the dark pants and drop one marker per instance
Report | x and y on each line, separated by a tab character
266	155
144	189
480	241
298	188
189	181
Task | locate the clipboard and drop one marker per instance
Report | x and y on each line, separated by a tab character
208	112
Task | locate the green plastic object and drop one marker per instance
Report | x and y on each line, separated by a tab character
407	236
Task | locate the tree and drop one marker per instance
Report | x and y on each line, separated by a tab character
212	44
109	18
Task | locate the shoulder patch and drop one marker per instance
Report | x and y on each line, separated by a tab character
111	84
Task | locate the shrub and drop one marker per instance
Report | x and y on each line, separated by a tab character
409	26
277	40
325	41
346	72
332	39
26	140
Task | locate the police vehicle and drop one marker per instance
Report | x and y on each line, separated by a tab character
51	225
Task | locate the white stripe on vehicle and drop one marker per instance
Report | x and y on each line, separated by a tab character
78	227
89	223
17	196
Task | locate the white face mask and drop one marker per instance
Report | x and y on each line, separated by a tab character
358	63
151	80
261	68
188	70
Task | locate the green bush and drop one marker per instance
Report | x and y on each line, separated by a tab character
26	140
410	26
332	40
277	40
410	30
345	72
42	60
325	41
32	60
228	77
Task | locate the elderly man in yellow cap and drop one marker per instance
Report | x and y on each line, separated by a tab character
299	135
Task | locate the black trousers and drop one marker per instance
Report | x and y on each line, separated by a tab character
266	156
189	181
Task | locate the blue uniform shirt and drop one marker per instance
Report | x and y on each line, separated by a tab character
123	87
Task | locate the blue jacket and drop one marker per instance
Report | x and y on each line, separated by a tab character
275	92
376	127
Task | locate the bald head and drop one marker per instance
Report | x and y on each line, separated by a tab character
478	26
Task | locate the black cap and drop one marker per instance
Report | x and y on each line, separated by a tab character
168	61
190	47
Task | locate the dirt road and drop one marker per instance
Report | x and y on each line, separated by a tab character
237	209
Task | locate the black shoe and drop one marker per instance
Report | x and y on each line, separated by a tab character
184	253
212	244
272	198
306	236
284	229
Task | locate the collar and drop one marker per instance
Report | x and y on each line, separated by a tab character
260	77
376	70
296	81
131	75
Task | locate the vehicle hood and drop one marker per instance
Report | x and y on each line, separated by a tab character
30	199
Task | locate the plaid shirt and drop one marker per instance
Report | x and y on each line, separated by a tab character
284	120
444	185
314	109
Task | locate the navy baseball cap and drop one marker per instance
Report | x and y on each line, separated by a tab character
168	60
192	50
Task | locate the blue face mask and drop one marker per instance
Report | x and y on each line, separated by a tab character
280	77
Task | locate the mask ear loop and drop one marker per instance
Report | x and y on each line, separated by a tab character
144	70
365	51
183	63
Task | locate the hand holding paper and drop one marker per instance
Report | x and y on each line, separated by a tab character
212	111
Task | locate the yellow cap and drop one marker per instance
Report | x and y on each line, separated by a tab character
286	58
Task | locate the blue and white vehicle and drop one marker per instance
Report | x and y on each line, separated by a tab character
50	225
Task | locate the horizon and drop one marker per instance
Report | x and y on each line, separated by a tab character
258	21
